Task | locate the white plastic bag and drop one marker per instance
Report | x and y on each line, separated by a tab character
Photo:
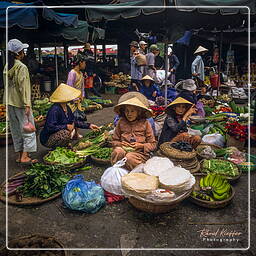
160	76
194	132
138	169
214	138
111	178
157	165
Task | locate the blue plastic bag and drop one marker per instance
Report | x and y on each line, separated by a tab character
82	195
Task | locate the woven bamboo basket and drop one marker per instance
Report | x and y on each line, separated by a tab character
209	204
151	207
201	146
66	166
36	238
171	152
231	179
101	162
26	201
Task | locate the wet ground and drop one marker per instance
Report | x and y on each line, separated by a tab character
122	226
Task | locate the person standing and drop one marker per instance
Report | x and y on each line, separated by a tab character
197	67
136	70
17	97
150	58
143	45
159	61
173	65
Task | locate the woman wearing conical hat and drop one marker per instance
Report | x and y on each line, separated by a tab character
133	136
197	67
60	121
175	124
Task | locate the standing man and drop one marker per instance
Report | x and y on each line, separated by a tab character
143	45
173	65
136	70
197	68
150	57
18	100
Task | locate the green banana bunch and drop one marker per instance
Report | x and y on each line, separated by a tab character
203	196
215	185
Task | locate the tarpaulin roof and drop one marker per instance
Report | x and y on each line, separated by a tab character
27	18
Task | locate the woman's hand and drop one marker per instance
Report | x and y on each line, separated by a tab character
70	127
137	145
27	110
126	144
154	94
94	127
191	111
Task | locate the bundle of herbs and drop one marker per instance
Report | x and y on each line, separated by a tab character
44	181
103	153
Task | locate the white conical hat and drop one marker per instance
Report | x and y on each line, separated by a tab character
64	93
200	49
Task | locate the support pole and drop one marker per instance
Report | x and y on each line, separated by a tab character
166	70
104	52
39	53
56	66
95	53
66	55
220	53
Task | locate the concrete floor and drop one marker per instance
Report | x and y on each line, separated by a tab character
120	225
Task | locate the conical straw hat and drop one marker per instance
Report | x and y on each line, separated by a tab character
64	93
179	100
147	77
200	49
133	102
130	95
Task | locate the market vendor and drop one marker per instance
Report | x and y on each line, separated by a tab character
175	124
133	136
197	67
188	92
76	76
149	88
60	122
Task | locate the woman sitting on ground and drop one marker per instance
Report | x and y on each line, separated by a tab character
133	136
175	124
60	122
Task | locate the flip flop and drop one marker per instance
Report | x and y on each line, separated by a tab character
31	161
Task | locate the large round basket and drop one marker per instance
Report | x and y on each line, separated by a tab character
3	139
41	241
26	201
66	166
101	162
209	204
201	146
150	207
229	178
169	151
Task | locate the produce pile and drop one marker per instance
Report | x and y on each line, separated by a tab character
221	167
100	101
103	153
63	156
213	188
119	80
40	109
88	103
3	128
2	112
183	146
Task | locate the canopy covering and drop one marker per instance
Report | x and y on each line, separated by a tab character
27	18
121	11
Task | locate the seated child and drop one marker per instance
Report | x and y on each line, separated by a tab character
133	136
175	124
149	88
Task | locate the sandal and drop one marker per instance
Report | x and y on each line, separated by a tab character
31	161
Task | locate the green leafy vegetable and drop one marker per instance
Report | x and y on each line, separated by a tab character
103	153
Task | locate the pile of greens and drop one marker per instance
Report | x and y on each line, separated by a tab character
221	167
63	156
44	181
2	127
103	153
41	107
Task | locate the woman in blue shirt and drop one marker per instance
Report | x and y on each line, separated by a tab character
149	88
60	121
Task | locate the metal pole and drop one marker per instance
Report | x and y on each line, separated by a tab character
56	66
39	53
166	70
220	53
66	55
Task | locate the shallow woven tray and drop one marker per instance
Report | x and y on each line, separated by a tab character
231	179
38	237
101	162
67	166
148	206
26	201
171	152
208	204
3	139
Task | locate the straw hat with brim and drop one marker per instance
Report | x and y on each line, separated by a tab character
200	49
64	93
179	100
133	102
130	95
147	78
